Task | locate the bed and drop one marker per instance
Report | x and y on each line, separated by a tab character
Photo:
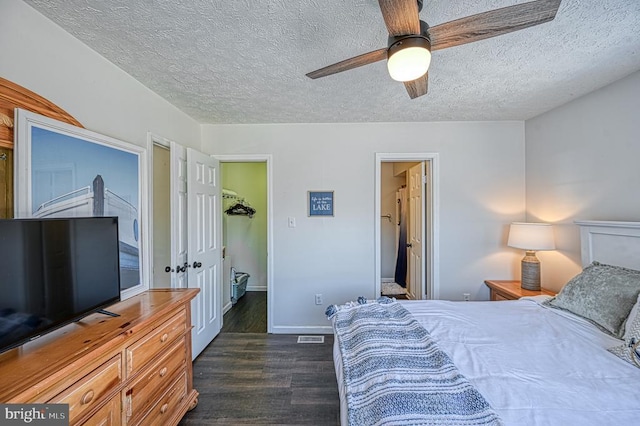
532	361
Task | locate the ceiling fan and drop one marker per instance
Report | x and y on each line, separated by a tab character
411	40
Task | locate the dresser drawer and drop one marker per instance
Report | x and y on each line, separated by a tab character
165	408
159	340
109	415
156	378
499	296
89	392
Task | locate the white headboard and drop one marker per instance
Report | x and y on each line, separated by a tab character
613	243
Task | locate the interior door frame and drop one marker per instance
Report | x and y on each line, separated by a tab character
431	218
268	159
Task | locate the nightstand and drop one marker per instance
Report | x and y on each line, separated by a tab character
511	290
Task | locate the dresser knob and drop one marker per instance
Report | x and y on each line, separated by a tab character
163	372
164	337
163	409
87	397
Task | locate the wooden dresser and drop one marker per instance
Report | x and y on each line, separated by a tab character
134	369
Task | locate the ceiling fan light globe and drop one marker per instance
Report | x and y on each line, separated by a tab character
409	59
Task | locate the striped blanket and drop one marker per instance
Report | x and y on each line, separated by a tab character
395	374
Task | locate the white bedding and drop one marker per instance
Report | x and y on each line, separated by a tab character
534	365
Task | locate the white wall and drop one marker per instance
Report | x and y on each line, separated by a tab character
481	192
582	162
40	56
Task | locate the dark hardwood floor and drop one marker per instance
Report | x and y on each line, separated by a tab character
265	379
249	315
254	378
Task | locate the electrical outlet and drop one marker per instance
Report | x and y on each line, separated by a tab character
466	296
318	299
292	222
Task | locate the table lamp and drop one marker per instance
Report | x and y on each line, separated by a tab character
531	237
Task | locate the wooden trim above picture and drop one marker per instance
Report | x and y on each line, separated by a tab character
15	96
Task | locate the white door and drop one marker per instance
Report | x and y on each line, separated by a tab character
204	247
415	244
179	231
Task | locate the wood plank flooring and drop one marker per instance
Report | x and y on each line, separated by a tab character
249	315
263	379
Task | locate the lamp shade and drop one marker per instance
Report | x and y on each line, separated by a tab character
531	236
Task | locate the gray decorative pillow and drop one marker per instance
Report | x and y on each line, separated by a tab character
603	294
630	350
632	315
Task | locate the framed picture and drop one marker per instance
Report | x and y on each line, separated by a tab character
320	203
66	171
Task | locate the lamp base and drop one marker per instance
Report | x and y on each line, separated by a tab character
530	272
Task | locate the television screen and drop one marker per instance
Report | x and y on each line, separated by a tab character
53	272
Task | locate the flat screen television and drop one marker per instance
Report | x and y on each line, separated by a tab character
53	272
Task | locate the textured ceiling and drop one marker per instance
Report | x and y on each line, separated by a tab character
244	61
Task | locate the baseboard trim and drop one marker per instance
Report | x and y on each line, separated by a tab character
227	307
256	288
283	329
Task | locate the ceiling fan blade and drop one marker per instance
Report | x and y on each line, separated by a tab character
492	23
351	63
400	16
417	87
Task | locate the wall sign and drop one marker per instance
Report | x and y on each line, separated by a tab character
320	203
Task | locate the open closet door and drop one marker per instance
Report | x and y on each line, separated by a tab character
415	284
204	246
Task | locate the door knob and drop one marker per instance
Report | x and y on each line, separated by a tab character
168	269
409	245
197	264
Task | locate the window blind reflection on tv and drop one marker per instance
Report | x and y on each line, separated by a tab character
55	271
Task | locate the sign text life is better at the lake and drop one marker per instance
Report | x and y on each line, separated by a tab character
320	203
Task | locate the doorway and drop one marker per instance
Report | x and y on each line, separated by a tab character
247	240
161	217
6	182
406	229
186	228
